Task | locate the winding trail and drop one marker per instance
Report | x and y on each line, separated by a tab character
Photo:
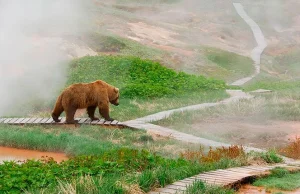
143	123
218	177
258	50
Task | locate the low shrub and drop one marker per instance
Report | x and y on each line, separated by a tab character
292	150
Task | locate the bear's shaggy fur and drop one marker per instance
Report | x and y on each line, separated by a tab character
86	95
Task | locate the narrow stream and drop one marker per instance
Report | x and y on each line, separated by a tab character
8	154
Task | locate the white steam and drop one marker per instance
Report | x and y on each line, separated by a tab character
32	62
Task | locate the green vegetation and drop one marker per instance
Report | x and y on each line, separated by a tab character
145	85
111	165
104	159
199	187
270	156
86	140
272	84
139	78
115	163
280	179
232	65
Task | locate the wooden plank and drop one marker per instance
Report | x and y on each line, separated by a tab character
221	177
95	122
169	191
62	120
114	122
101	122
179	183
211	179
2	119
25	120
44	120
50	121
247	171
121	124
13	120
19	120
227	173
208	174
7	120
241	171
31	120
188	181
107	123
88	121
37	121
82	120
177	187
157	192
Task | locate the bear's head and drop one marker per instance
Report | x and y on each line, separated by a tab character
115	97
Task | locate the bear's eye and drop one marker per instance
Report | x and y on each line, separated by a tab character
115	99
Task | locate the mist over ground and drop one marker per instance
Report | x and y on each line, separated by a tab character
32	61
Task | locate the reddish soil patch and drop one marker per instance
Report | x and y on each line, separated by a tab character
7	153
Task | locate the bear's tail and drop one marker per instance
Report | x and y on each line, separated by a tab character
58	109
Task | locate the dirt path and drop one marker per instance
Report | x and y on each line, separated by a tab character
142	123
257	51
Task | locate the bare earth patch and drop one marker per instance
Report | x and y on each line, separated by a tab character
241	132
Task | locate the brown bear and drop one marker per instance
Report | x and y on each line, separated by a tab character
86	95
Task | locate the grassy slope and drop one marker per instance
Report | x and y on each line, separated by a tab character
116	70
217	63
229	66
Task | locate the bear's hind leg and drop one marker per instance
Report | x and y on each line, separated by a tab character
91	112
70	113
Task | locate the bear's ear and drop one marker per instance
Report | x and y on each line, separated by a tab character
116	90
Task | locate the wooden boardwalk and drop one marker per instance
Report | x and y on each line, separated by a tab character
50	121
231	177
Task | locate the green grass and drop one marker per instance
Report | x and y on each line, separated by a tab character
114	164
139	78
87	140
280	179
272	84
146	86
234	66
199	187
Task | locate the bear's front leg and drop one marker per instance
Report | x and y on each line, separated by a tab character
104	112
55	118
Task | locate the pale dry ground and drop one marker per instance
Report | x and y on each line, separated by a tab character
239	131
